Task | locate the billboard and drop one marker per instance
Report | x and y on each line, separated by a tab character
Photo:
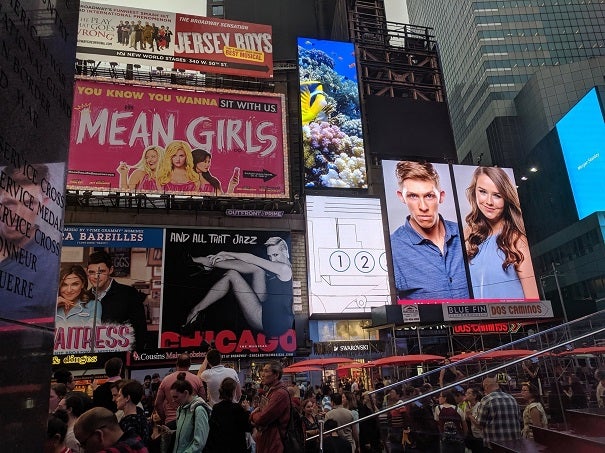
348	270
333	142
174	40
138	139
228	288
94	318
440	236
582	136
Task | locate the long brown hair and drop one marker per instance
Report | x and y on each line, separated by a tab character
479	227
79	272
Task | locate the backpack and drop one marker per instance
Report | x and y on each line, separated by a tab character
208	409
294	440
450	425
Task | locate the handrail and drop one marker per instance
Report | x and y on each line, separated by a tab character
401	403
497	348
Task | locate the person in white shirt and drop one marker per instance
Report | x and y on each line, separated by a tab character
214	376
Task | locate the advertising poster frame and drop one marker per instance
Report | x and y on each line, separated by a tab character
456	212
132	251
123	138
173	40
332	129
348	271
228	290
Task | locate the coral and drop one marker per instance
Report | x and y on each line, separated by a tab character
333	150
352	127
332	158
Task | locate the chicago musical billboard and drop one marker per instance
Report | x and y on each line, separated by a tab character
228	288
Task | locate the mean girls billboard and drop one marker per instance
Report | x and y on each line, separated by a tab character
230	289
441	236
138	139
173	40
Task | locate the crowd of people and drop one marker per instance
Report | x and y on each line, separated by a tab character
210	411
131	34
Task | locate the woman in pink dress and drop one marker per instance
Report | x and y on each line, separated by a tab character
175	172
143	178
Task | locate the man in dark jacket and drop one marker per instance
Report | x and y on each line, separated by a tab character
119	304
273	414
98	431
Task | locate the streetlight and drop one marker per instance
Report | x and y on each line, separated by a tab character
556	276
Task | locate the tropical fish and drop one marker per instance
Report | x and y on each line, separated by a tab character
312	101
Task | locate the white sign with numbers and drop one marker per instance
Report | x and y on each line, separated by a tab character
347	258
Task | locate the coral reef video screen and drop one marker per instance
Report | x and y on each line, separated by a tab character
332	133
582	136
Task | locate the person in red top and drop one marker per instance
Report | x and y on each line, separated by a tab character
164	405
98	431
273	414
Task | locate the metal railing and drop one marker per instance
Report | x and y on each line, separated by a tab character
568	336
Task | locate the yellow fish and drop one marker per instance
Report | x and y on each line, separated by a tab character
312	101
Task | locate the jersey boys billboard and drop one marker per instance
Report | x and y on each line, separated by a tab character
230	288
154	140
433	250
173	40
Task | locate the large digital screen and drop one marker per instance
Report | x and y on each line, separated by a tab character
582	137
434	250
333	142
348	270
174	40
138	139
230	289
109	289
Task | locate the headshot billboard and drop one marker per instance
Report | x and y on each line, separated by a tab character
348	270
138	139
582	135
332	133
107	307
173	40
435	251
497	251
229	289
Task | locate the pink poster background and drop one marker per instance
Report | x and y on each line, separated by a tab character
113	124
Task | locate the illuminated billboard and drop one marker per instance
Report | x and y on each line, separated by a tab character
121	265
333	142
173	40
228	288
434	251
346	255
138	139
582	137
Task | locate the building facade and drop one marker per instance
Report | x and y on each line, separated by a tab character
490	50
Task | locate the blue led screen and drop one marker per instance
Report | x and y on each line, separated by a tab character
582	137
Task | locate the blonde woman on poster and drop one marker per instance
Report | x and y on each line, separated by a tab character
496	244
266	302
143	178
176	173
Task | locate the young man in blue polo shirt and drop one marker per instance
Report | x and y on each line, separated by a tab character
427	249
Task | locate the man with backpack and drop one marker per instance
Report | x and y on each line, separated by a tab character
452	427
